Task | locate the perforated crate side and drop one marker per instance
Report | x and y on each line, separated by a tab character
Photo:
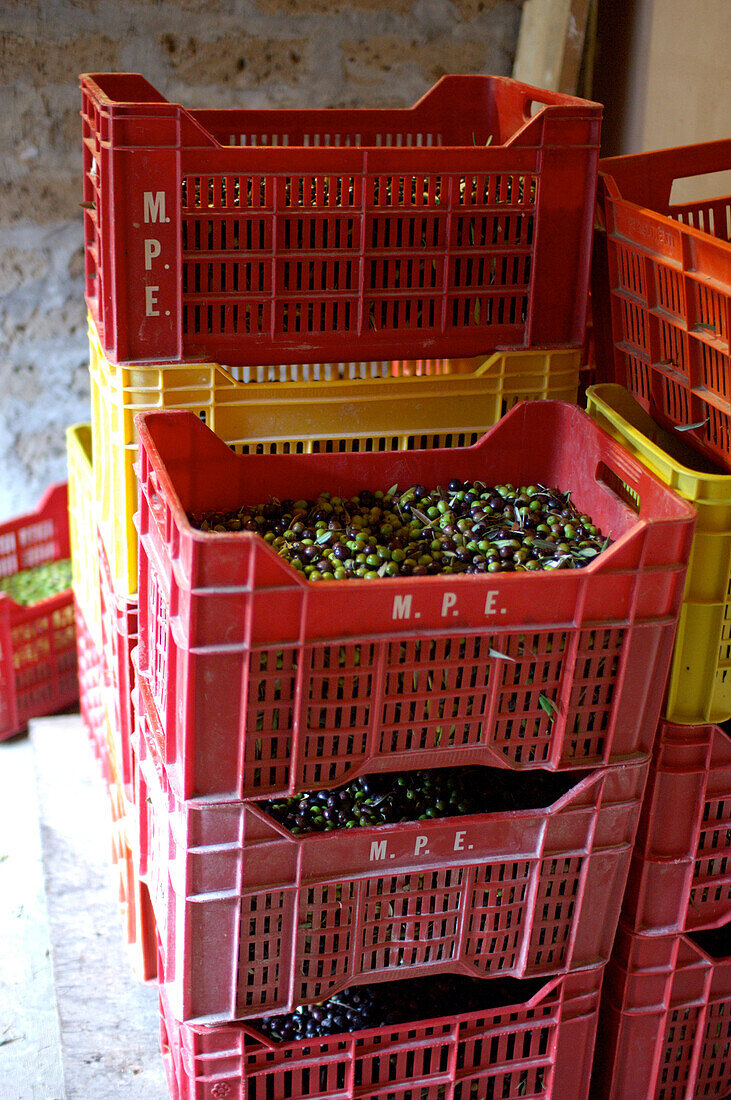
668	279
253	919
302	686
89	665
680	877
540	1048
665	1019
462	223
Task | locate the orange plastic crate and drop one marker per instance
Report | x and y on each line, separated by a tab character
661	292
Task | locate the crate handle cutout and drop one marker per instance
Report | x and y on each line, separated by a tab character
628	178
617	485
700	187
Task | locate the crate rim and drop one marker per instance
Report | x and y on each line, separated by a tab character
602	392
458	1023
238	538
550	99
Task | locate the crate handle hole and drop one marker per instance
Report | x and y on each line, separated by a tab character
611	479
700	188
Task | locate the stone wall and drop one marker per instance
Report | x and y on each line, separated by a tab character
201	53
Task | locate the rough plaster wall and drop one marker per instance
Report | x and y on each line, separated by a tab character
201	53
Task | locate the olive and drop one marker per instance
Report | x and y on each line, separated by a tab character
421	532
38	583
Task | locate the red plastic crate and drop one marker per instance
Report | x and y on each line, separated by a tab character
38	662
273	236
680	878
665	1019
91	707
540	1048
119	638
661	292
135	906
253	919
267	683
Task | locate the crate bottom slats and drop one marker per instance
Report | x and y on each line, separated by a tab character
538	1049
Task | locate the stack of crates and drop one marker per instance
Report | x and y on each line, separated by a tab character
286	301
254	683
662	281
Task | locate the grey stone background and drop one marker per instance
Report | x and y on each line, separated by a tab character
201	53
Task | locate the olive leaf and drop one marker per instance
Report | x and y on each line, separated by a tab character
547	705
503	656
421	516
691	427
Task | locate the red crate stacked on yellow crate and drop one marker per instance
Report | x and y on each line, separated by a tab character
288	300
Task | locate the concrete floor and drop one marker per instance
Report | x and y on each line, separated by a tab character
74	1022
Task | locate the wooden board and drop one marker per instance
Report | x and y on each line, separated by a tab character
551	44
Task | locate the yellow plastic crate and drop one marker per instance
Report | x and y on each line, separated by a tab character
82	528
379	406
699	686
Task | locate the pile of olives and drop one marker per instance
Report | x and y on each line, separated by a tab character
32	585
467	527
393	797
397	1002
